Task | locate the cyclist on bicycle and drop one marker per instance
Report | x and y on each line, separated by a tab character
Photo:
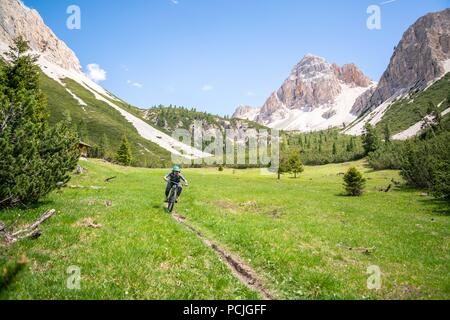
174	178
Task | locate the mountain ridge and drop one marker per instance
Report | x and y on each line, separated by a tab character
316	95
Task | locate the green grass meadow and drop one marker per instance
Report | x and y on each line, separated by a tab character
303	237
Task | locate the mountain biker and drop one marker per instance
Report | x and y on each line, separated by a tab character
174	178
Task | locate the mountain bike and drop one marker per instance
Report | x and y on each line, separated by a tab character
173	196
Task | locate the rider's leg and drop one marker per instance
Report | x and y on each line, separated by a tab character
179	191
169	186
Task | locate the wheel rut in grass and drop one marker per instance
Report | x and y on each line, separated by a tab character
240	269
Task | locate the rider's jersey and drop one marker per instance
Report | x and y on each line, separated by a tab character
175	179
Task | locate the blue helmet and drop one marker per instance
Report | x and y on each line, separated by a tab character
176	169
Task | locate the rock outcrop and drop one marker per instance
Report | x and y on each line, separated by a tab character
246	112
421	57
18	20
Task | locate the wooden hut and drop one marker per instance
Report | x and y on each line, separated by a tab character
83	149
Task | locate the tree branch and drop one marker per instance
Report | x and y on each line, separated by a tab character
31	231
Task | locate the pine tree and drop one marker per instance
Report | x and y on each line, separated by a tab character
371	141
354	182
436	115
35	158
352	144
103	146
447	101
82	130
295	164
283	166
124	153
334	149
387	133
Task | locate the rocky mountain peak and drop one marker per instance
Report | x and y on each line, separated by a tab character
245	112
351	75
421	57
18	20
311	68
317	94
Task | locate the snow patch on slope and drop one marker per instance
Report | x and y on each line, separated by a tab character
148	132
373	118
78	99
313	120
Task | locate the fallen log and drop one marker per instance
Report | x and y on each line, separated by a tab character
32	231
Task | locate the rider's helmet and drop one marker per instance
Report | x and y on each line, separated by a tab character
176	169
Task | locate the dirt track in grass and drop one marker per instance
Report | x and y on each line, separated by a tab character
240	269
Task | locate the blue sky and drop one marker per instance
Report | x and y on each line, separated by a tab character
217	54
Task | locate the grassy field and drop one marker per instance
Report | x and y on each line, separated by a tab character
302	236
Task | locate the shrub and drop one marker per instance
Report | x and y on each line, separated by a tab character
441	186
417	164
426	164
386	157
354	182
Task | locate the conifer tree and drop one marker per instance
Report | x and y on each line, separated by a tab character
354	182
35	158
387	133
124	153
295	164
371	141
103	146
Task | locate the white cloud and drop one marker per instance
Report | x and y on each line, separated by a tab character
135	84
207	87
95	73
175	1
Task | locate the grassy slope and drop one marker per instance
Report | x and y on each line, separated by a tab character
100	119
295	233
407	112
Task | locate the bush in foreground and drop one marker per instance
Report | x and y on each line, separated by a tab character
354	182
